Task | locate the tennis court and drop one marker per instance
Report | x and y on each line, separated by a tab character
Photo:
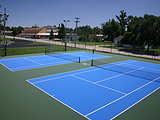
23	63
102	92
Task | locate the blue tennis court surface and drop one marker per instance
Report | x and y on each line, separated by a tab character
102	94
23	63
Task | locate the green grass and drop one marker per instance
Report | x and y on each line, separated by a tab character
92	43
115	47
157	49
9	42
35	49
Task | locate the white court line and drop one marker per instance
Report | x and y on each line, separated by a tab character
51	79
73	73
29	65
46	59
109	78
98	68
53	96
36	65
119	75
135	103
145	67
45	65
99	85
25	66
7	67
121	97
69	75
33	61
56	62
85	56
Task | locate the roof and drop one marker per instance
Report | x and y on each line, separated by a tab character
71	34
37	31
119	38
32	30
43	34
46	34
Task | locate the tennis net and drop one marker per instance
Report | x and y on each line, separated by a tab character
142	72
64	56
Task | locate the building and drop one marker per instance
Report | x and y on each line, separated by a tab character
95	37
39	33
7	32
71	36
117	41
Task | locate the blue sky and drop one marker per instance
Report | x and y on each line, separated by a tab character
27	13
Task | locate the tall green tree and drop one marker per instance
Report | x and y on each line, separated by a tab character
150	30
84	30
51	36
130	37
143	32
1	26
96	30
123	21
111	29
16	30
61	32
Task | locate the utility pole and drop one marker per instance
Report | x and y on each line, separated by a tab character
77	21
65	42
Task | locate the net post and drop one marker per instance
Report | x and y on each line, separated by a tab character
79	60
93	51
91	62
45	52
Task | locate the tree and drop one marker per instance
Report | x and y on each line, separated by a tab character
61	32
1	26
51	36
130	37
84	30
8	28
35	26
143	32
96	30
111	29
69	30
17	30
123	21
20	29
150	30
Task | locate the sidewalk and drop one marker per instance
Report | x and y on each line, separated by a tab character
98	48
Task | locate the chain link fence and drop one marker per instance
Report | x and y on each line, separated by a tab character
19	46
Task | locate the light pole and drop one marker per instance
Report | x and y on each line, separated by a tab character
65	42
5	18
77	21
